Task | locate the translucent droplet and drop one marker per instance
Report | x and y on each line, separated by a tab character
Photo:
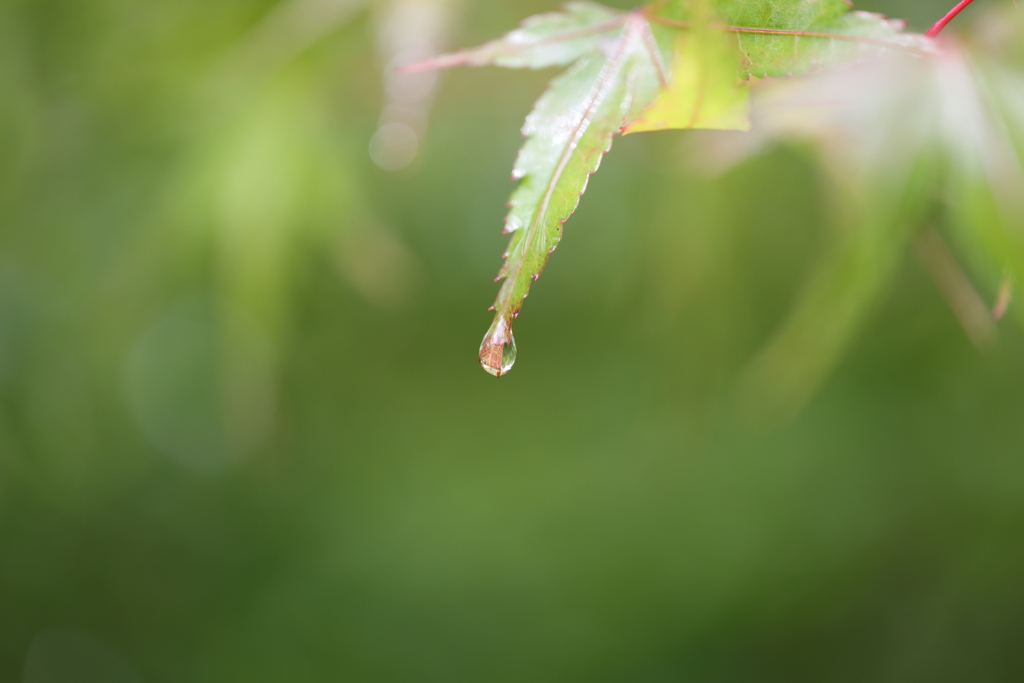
498	350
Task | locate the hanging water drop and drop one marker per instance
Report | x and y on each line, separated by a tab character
498	349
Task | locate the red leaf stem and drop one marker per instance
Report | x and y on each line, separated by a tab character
941	23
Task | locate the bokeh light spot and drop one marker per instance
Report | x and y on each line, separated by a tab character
394	146
199	383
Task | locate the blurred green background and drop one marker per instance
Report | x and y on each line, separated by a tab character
243	435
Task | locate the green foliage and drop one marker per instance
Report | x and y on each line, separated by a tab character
897	133
242	438
553	39
567	133
789	44
668	65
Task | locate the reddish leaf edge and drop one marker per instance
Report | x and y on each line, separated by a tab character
464	57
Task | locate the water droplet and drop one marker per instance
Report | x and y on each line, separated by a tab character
498	350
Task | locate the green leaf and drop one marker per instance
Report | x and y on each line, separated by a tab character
855	269
553	39
722	40
620	68
568	131
705	91
786	37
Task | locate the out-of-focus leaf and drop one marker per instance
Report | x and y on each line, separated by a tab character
408	30
859	262
983	128
975	316
284	33
897	133
872	137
